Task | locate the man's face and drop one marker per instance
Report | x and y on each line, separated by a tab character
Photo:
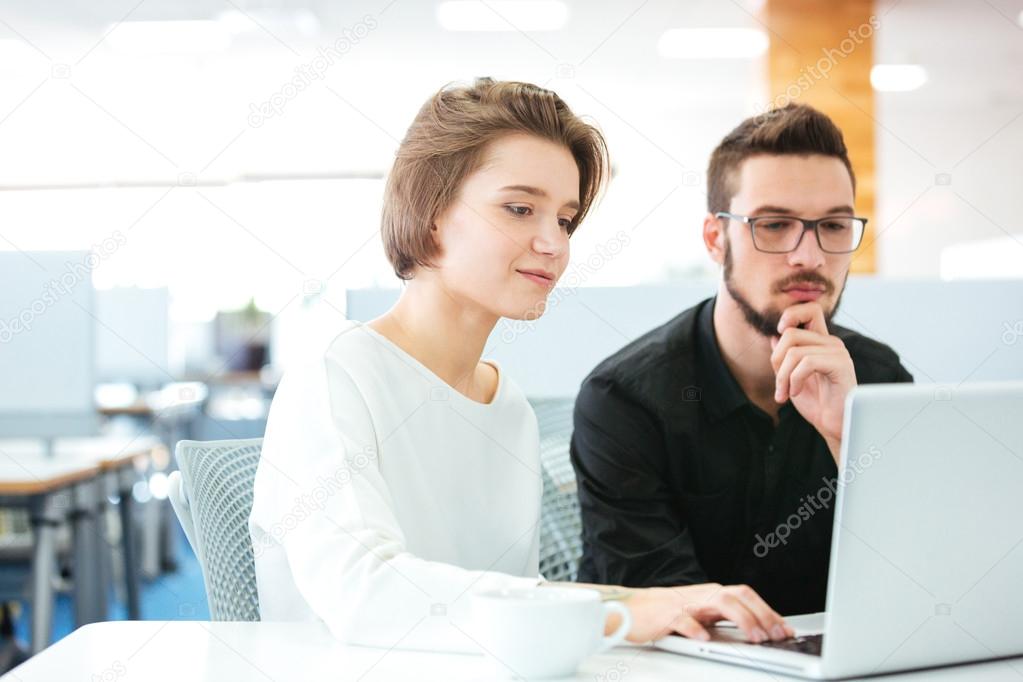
765	284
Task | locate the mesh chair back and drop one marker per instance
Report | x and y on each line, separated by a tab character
217	477
560	524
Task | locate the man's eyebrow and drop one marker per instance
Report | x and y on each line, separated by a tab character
537	192
781	210
770	208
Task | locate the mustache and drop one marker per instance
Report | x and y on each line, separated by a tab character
807	277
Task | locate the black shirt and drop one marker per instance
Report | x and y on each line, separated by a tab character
683	480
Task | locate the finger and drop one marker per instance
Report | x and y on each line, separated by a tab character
783	383
793	336
809	314
826	365
688	626
769	619
733	609
803	315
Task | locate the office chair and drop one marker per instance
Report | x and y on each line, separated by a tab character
560	523
212	497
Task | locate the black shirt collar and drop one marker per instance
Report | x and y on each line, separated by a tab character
720	392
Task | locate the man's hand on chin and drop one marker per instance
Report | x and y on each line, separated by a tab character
813	369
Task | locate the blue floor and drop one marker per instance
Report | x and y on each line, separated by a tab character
172	596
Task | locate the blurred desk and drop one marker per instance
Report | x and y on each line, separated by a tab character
73	483
136	409
120	463
170	412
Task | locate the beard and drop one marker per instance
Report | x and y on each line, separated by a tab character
766	321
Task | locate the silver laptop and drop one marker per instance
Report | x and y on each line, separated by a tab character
927	549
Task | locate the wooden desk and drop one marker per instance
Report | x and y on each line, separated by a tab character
136	409
150	651
72	484
119	461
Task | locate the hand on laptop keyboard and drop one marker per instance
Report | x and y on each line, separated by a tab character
805	644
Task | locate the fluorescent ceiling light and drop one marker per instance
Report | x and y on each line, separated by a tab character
712	43
14	52
175	37
502	15
252	21
897	77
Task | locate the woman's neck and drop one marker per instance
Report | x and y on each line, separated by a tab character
446	335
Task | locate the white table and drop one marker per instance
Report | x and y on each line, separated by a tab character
200	650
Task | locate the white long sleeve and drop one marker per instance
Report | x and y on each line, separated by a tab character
384	498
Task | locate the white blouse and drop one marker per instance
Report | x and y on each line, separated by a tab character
384	497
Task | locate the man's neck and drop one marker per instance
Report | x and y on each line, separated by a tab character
746	352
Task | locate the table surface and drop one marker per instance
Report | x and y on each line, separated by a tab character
26	468
202	650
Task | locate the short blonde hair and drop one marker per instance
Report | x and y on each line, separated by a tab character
444	145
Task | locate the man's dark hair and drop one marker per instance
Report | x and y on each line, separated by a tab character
795	129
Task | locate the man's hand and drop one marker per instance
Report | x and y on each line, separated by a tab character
813	369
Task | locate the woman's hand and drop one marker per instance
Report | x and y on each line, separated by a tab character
661	611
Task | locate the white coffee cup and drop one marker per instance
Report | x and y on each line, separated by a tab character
544	632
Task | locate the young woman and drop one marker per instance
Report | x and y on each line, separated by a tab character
400	472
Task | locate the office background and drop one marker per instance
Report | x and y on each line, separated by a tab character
190	195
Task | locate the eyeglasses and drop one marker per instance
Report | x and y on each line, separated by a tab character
783	234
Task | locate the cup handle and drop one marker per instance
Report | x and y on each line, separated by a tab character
616	637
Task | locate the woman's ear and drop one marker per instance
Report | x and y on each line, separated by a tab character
435	237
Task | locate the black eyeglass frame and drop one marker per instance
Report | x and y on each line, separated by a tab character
807	225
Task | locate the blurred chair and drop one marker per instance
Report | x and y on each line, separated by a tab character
212	496
560	524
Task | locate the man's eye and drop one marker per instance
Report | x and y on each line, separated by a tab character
519	210
835	225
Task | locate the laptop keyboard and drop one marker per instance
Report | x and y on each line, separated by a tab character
807	644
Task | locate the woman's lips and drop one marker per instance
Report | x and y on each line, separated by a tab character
545	282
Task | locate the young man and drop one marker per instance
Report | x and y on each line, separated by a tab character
706	450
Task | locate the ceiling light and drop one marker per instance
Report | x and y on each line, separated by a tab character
174	37
502	15
712	43
255	20
897	77
15	51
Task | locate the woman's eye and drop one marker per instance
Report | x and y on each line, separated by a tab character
519	210
565	223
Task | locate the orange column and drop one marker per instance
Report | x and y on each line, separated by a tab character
821	53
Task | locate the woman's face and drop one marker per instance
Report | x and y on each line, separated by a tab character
504	240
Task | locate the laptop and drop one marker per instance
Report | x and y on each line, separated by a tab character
927	548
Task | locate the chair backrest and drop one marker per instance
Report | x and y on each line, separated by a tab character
217	479
560	524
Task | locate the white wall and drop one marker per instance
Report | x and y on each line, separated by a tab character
131	336
46	344
948	167
945	332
